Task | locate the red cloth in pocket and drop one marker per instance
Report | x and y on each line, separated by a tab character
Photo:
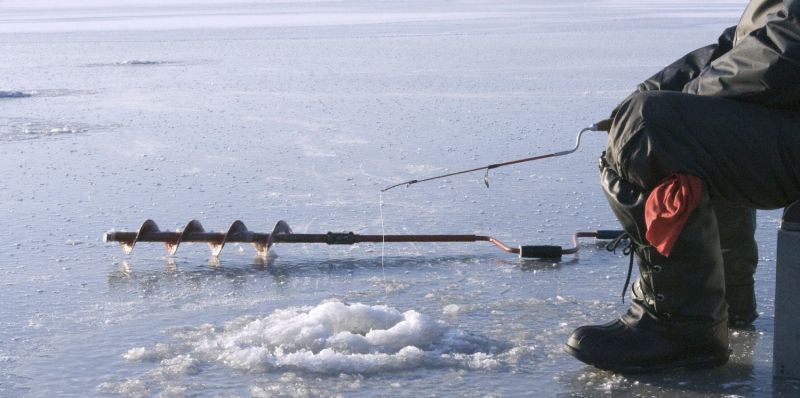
667	209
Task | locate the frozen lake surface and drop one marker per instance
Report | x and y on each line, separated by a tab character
302	111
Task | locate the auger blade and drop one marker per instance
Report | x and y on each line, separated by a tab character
149	227
281	228
194	226
236	229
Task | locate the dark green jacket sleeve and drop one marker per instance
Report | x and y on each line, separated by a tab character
675	76
763	67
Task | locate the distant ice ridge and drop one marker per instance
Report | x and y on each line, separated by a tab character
331	338
50	131
14	94
138	62
132	62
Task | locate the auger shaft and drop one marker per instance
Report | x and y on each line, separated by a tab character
164	236
331	238
281	233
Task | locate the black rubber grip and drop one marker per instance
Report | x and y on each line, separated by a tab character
608	234
540	251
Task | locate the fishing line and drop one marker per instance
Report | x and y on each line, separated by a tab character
383	249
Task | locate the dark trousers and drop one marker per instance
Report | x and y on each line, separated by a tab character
747	155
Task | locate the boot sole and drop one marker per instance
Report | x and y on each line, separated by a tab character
692	364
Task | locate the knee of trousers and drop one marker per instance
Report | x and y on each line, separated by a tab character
649	139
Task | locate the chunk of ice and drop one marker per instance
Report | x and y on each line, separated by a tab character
331	338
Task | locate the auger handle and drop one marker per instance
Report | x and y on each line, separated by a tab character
608	234
555	252
544	251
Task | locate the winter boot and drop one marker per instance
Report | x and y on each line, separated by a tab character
737	227
678	315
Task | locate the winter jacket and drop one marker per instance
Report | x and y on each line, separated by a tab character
756	61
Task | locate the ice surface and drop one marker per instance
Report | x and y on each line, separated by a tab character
302	110
104	16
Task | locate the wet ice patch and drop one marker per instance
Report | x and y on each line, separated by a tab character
180	365
603	381
388	286
293	385
451	309
131	388
421	168
16	129
330	338
157	352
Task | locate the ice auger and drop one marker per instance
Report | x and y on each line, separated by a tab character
282	233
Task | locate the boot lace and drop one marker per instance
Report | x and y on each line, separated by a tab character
627	250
